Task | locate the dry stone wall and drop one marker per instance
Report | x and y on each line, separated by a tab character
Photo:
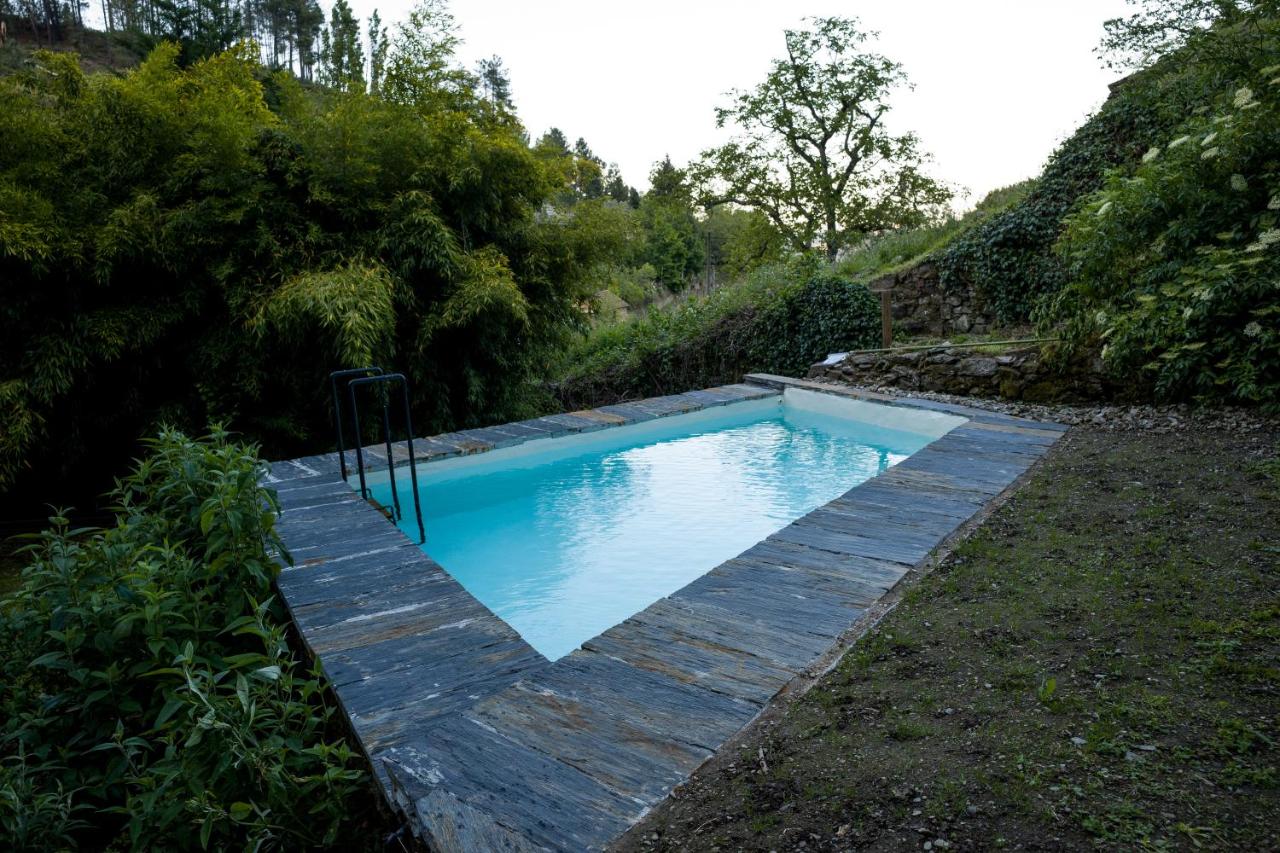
1017	374
922	306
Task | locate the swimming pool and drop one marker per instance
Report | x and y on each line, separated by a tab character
565	537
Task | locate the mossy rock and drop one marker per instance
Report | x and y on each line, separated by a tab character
1045	391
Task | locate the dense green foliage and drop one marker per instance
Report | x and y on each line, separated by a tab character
1174	269
193	244
654	245
781	319
1010	260
150	699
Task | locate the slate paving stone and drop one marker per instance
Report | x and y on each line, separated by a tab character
576	423
551	803
693	660
793	649
858	568
629	412
711	398
667	707
619	753
426	449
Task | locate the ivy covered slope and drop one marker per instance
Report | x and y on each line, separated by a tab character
1011	258
149	697
1174	270
179	244
898	251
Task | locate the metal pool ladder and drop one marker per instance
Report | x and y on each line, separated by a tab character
375	377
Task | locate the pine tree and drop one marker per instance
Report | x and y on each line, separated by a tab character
495	83
614	186
668	182
377	51
554	139
341	54
589	171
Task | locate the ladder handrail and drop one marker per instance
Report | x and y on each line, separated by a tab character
385	379
337	407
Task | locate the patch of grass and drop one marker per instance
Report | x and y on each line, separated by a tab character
1096	666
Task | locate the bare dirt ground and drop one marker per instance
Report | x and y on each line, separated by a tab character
1097	666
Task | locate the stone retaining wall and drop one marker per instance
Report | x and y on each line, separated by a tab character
1017	374
921	306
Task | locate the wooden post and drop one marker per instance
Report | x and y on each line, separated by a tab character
886	320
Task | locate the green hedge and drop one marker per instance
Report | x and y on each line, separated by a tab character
148	697
781	320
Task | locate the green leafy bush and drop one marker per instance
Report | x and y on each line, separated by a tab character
1175	270
150	699
805	322
636	286
781	319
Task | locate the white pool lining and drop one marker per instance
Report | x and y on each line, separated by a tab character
538	451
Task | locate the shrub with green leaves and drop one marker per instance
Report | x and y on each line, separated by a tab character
781	319
150	698
1175	269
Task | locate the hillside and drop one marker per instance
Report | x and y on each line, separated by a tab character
98	50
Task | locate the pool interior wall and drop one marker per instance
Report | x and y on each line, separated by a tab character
565	537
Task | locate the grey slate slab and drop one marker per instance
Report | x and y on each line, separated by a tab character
629	412
426	449
847	596
763	593
669	708
693	660
547	801
711	398
447	823
620	753
707	623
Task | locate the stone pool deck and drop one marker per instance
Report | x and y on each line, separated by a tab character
486	745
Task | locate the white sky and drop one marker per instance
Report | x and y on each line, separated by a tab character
998	82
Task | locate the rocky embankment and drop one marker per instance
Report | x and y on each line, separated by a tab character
1013	374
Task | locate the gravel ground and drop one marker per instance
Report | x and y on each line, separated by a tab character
1158	419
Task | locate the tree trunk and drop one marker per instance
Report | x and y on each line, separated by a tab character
832	239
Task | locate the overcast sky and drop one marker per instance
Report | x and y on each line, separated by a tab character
998	83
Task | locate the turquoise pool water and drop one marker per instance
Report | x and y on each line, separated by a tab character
565	537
